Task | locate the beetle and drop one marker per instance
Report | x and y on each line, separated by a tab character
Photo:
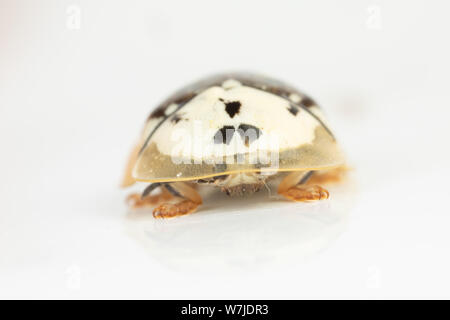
233	131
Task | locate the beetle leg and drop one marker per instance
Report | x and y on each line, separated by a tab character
191	200
295	187
137	200
328	176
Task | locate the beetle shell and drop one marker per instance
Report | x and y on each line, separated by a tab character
200	132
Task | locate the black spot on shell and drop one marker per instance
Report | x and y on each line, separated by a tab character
184	99
293	109
308	102
180	101
249	133
158	113
232	108
177	118
224	135
282	92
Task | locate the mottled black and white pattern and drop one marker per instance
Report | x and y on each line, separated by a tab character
238	108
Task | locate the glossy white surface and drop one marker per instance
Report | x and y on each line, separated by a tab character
73	99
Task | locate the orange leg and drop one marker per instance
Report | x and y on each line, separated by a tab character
290	189
306	193
328	176
135	200
169	210
190	203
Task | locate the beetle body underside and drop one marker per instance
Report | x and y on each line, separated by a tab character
296	186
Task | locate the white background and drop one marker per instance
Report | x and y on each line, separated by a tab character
78	78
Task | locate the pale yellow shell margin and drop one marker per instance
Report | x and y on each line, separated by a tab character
127	179
323	153
237	171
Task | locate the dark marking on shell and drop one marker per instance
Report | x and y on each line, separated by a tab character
180	101
249	133
224	135
186	98
232	108
177	118
279	91
256	81
293	109
307	102
158	112
315	117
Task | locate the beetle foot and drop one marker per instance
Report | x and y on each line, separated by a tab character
135	200
169	210
306	193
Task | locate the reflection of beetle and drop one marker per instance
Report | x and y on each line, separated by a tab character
233	131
